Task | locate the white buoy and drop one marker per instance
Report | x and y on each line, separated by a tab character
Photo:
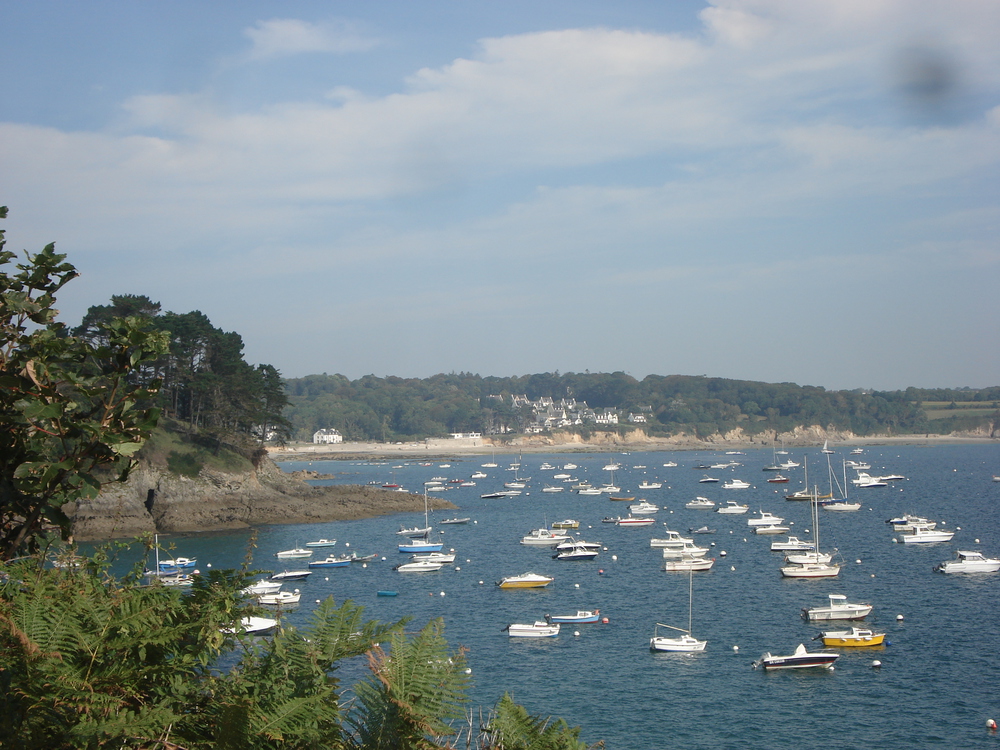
732	567
713	544
327	578
383	558
736	649
457	568
317	601
442	593
744	539
722	553
873	575
347	544
576	585
468	560
605	549
730	531
876	664
576	633
991	724
364	565
209	565
480	583
615	558
977	541
858	562
474	522
899	618
468	671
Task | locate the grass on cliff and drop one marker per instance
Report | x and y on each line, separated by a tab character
172	448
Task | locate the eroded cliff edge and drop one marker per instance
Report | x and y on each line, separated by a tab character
156	500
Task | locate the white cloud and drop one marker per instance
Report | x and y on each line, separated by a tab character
284	37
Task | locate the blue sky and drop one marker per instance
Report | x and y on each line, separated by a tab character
777	190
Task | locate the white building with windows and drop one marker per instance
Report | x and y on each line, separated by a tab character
328	435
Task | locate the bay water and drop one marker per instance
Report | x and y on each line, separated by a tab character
939	679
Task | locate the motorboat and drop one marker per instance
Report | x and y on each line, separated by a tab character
838	609
801	659
672	539
478	475
688	550
967	561
323	543
622	499
261	587
765	519
253	626
708	480
670	464
418	566
543	538
923	535
415	531
420	545
853	638
864	480
279	598
569	523
178	563
684	643
631	521
550	488
562	477
331	562
700	503
701	530
570	467
501	493
590	491
689	563
858	465
525	581
908	522
792	543
355	558
612	466
582	617
569	543
584	485
789	464
732	508
546	466
291	575
453	521
770	530
292	554
643	508
778	479
538	629
576	552
736	484
610	489
807	494
441	557
650	485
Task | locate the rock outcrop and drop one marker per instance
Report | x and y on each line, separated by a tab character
155	500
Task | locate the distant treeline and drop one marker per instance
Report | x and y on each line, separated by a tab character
392	408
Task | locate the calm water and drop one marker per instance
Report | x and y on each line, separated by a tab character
940	678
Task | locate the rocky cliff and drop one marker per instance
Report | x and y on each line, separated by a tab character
155	500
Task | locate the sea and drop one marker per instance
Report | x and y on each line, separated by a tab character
934	684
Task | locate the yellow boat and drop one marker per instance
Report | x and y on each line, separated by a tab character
855	637
526	581
569	523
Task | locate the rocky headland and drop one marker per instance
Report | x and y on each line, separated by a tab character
156	500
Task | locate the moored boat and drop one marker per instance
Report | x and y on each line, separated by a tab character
294	554
968	561
525	581
838	609
582	617
732	508
923	535
538	629
322	543
631	521
853	638
801	659
331	562
700	503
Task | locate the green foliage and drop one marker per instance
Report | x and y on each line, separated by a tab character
184	464
511	727
74	412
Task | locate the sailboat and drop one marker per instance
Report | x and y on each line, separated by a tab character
686	642
826	446
422	543
493	462
805	493
813	564
842	505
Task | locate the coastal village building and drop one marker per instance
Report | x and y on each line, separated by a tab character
328	435
551	414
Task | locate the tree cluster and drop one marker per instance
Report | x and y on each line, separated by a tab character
205	382
393	408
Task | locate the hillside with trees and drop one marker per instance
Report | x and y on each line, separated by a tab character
393	408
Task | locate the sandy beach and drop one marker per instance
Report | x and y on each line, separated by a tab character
444	448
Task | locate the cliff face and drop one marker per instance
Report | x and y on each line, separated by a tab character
154	500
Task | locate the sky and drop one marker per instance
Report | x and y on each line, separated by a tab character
775	190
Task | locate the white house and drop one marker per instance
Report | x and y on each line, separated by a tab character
328	435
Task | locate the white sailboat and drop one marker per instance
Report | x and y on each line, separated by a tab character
686	642
422	543
820	568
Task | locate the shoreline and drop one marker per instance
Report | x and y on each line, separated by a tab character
438	449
